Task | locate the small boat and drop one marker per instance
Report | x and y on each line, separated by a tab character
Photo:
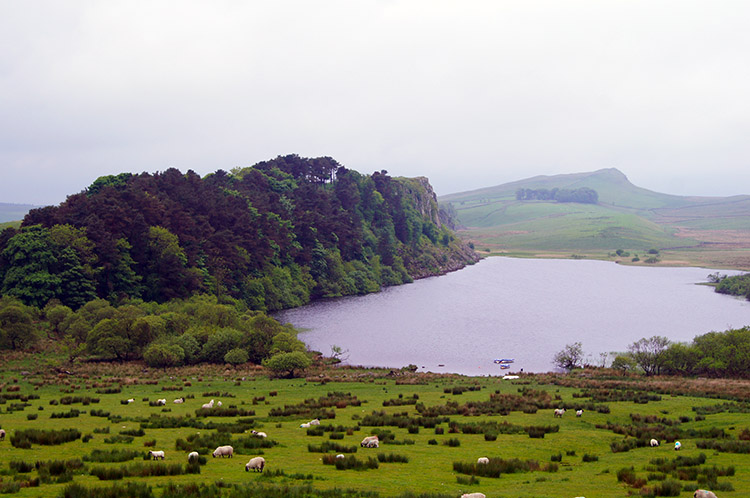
504	360
504	366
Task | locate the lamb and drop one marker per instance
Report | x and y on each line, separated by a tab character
179	400
483	460
559	412
193	456
256	463
367	440
2	434
258	434
654	442
223	451
677	445
155	455
702	493
208	405
340	455
473	495
579	413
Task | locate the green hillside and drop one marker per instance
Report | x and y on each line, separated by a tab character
625	217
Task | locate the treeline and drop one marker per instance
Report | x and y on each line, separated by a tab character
583	195
715	354
737	285
181	332
273	236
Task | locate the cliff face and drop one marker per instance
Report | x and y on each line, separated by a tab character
422	197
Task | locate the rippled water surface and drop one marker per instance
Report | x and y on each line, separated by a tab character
526	309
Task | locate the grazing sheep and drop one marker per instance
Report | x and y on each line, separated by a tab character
677	445
218	403
179	400
193	456
314	421
258	434
366	440
305	425
2	434
155	455
161	402
130	400
340	455
473	495
373	443
654	442
483	460
224	451
208	405
559	412
256	463
579	413
702	493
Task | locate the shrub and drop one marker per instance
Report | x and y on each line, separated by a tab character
452	442
392	457
350	462
589	458
24	438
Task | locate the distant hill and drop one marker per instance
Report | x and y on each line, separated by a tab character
705	230
14	212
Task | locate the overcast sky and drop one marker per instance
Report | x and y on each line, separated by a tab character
468	93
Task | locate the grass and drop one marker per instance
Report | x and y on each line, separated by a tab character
420	467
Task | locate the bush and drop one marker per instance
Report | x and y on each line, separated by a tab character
24	438
236	356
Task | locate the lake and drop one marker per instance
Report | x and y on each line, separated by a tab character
525	309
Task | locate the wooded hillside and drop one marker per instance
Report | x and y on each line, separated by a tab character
274	235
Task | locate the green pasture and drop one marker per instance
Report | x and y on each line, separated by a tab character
429	468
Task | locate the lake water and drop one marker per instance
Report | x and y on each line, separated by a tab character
526	309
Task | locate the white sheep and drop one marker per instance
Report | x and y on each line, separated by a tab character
374	443
258	434
218	403
702	493
677	445
579	413
161	402
654	442
305	425
473	495
130	400
315	421
559	412
340	455
208	405
2	434
193	456
256	463
366	440
483	460
179	400
155	455
224	451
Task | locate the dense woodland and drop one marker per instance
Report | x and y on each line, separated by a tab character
272	236
736	285
583	195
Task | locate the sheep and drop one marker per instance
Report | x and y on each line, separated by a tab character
315	421
179	400
305	425
373	443
218	403
2	434
258	434
155	455
654	442
256	463
223	451
559	412
130	400
193	456
473	495
366	440
483	460
702	493
677	445
161	402
208	405
579	413
340	455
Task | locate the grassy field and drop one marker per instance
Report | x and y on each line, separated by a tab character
575	459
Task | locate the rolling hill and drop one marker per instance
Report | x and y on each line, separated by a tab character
710	231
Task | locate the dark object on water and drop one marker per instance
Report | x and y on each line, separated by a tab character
504	360
441	364
504	367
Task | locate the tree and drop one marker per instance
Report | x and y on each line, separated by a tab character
570	357
288	365
16	329
649	354
236	356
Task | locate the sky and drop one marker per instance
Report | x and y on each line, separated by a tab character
468	93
